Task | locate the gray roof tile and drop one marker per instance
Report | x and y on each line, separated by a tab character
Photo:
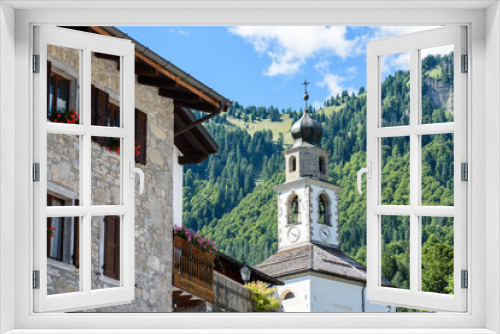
316	258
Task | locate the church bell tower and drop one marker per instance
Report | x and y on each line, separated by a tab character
307	202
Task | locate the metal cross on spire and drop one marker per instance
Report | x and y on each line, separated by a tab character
305	83
306	96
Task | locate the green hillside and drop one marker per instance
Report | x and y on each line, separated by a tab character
281	127
229	197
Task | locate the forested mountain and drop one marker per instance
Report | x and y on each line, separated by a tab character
229	197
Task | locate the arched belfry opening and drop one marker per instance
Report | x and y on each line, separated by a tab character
324	208
294	210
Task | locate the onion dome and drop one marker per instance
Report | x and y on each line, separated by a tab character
306	129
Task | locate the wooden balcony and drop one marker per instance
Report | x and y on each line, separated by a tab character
193	270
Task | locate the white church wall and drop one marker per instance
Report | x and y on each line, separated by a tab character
330	294
300	286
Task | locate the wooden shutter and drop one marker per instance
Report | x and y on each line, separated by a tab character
112	247
100	111
141	122
49	72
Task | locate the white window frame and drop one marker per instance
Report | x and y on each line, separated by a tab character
414	297
85	298
484	102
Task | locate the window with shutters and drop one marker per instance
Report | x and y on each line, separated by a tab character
114	115
58	94
62	95
62	234
105	113
141	122
100	112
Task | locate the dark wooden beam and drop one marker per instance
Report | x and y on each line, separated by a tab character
201	106
106	56
182	299
179	95
176	293
190	137
155	81
145	70
192	159
196	123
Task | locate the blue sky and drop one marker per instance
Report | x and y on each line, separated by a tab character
265	66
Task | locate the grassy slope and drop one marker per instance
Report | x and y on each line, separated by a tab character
276	127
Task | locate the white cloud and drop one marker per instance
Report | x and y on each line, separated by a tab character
289	47
334	84
393	63
317	105
322	66
183	32
352	70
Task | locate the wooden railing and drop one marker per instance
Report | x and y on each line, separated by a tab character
193	270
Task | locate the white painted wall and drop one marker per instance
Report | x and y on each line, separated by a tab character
178	185
301	288
320	293
488	165
7	166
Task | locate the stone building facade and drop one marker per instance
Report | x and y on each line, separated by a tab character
154	208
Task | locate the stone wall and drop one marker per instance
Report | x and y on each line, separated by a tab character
230	296
154	208
307	163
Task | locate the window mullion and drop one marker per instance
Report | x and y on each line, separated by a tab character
86	170
414	171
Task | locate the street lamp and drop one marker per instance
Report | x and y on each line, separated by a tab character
245	274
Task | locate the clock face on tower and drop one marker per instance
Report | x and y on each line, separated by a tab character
324	234
293	234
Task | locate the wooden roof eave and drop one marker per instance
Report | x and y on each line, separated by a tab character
196	144
168	70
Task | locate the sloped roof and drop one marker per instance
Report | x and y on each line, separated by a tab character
315	258
191	138
230	267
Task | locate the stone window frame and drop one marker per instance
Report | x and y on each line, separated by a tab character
60	69
69	238
328	208
286	293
